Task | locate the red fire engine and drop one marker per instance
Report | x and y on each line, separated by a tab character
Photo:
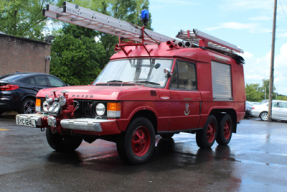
152	85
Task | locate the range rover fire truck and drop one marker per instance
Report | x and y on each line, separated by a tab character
152	85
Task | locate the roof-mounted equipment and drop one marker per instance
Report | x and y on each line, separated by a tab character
204	40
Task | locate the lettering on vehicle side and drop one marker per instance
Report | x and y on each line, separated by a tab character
222	59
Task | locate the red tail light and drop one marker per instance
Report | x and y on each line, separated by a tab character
253	107
8	87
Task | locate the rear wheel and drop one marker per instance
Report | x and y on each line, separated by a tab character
224	130
28	106
63	143
264	116
206	137
137	143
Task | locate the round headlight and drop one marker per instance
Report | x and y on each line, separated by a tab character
46	106
100	109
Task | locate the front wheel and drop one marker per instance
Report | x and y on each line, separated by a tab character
206	137
264	116
137	144
224	130
28	106
63	143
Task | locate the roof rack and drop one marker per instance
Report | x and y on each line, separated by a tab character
208	41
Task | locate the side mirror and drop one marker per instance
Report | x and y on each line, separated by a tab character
167	72
157	65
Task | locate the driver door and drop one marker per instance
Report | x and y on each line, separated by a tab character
185	98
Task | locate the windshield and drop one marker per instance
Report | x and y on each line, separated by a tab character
149	72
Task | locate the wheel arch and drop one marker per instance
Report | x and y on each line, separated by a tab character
219	113
23	99
147	114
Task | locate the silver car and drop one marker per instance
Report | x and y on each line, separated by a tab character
279	110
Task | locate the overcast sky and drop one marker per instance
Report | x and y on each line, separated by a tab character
245	23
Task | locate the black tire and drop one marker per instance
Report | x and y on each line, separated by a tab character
206	137
63	143
264	116
137	144
28	106
224	130
167	135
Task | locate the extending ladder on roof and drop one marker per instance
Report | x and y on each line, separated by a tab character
78	15
205	40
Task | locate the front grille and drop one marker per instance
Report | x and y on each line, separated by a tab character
87	108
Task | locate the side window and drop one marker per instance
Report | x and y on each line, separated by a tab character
284	105
184	76
29	80
32	81
41	81
55	82
26	80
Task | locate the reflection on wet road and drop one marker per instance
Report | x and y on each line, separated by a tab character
256	159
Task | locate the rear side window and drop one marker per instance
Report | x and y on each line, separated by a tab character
55	82
29	80
184	76
221	81
41	81
26	80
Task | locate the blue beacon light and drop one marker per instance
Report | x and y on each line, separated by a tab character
145	16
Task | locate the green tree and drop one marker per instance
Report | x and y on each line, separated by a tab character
265	87
23	18
128	10
76	57
252	93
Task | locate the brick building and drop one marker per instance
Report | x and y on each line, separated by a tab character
23	55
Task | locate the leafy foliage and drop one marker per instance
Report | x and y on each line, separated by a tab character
76	57
254	92
23	18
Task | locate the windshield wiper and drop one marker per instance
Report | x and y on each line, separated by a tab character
148	82
114	81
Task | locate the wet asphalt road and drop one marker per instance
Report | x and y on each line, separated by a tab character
255	160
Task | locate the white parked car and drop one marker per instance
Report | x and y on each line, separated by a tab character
279	110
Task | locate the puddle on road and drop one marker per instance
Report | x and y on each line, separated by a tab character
259	163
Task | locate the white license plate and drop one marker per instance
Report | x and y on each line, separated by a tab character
25	122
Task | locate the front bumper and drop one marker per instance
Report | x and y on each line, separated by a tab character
85	124
100	126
